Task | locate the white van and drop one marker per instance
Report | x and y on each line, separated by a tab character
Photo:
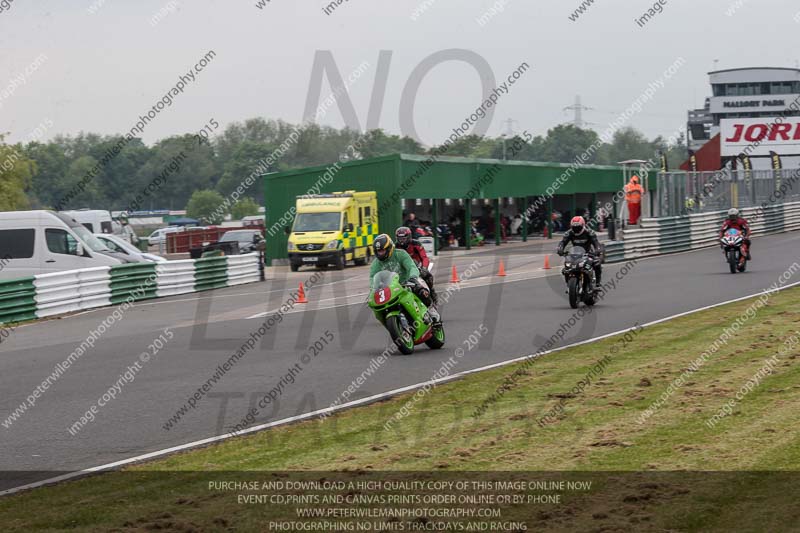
95	220
38	242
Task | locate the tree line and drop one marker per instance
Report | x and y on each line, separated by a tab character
42	175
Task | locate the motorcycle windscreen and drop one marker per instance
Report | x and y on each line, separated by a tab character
576	254
383	280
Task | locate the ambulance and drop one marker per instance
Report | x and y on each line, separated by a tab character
333	229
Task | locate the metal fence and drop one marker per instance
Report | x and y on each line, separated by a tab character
683	193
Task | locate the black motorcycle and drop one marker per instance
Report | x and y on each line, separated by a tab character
578	272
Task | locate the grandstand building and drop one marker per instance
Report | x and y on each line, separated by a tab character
740	117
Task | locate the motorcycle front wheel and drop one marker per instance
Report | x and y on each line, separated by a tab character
732	262
403	340
573	292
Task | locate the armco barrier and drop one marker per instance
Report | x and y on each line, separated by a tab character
210	273
56	293
136	281
175	277
242	269
658	236
17	300
73	290
614	251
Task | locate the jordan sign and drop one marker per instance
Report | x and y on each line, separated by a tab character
760	136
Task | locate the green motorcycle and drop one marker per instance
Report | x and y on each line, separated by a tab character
403	314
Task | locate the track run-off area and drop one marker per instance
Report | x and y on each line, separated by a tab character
295	359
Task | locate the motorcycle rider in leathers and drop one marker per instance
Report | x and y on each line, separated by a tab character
405	241
736	221
580	235
388	257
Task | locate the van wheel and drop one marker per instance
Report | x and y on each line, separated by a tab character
340	262
295	267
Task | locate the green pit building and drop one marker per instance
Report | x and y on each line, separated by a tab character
437	189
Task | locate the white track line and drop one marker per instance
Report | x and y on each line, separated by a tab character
355	403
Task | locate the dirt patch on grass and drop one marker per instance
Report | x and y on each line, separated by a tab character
163	522
562	395
611	443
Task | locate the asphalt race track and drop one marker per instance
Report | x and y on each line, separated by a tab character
520	312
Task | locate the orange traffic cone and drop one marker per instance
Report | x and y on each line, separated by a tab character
502	272
547	262
454	277
301	295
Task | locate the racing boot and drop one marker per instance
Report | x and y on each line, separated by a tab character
435	316
598	283
434	296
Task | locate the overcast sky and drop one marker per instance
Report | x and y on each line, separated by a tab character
104	69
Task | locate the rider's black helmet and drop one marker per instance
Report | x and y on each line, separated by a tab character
403	237
383	247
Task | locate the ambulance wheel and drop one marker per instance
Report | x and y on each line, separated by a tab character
340	262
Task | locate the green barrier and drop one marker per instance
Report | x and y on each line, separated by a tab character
130	282
17	300
210	273
134	282
614	251
674	235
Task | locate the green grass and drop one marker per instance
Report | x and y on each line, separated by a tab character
598	431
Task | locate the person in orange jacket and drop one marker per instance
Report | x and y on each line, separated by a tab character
633	195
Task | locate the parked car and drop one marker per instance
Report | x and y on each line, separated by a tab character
160	235
39	242
253	221
247	239
117	244
89	238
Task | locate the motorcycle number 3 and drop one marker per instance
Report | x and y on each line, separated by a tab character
381	296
